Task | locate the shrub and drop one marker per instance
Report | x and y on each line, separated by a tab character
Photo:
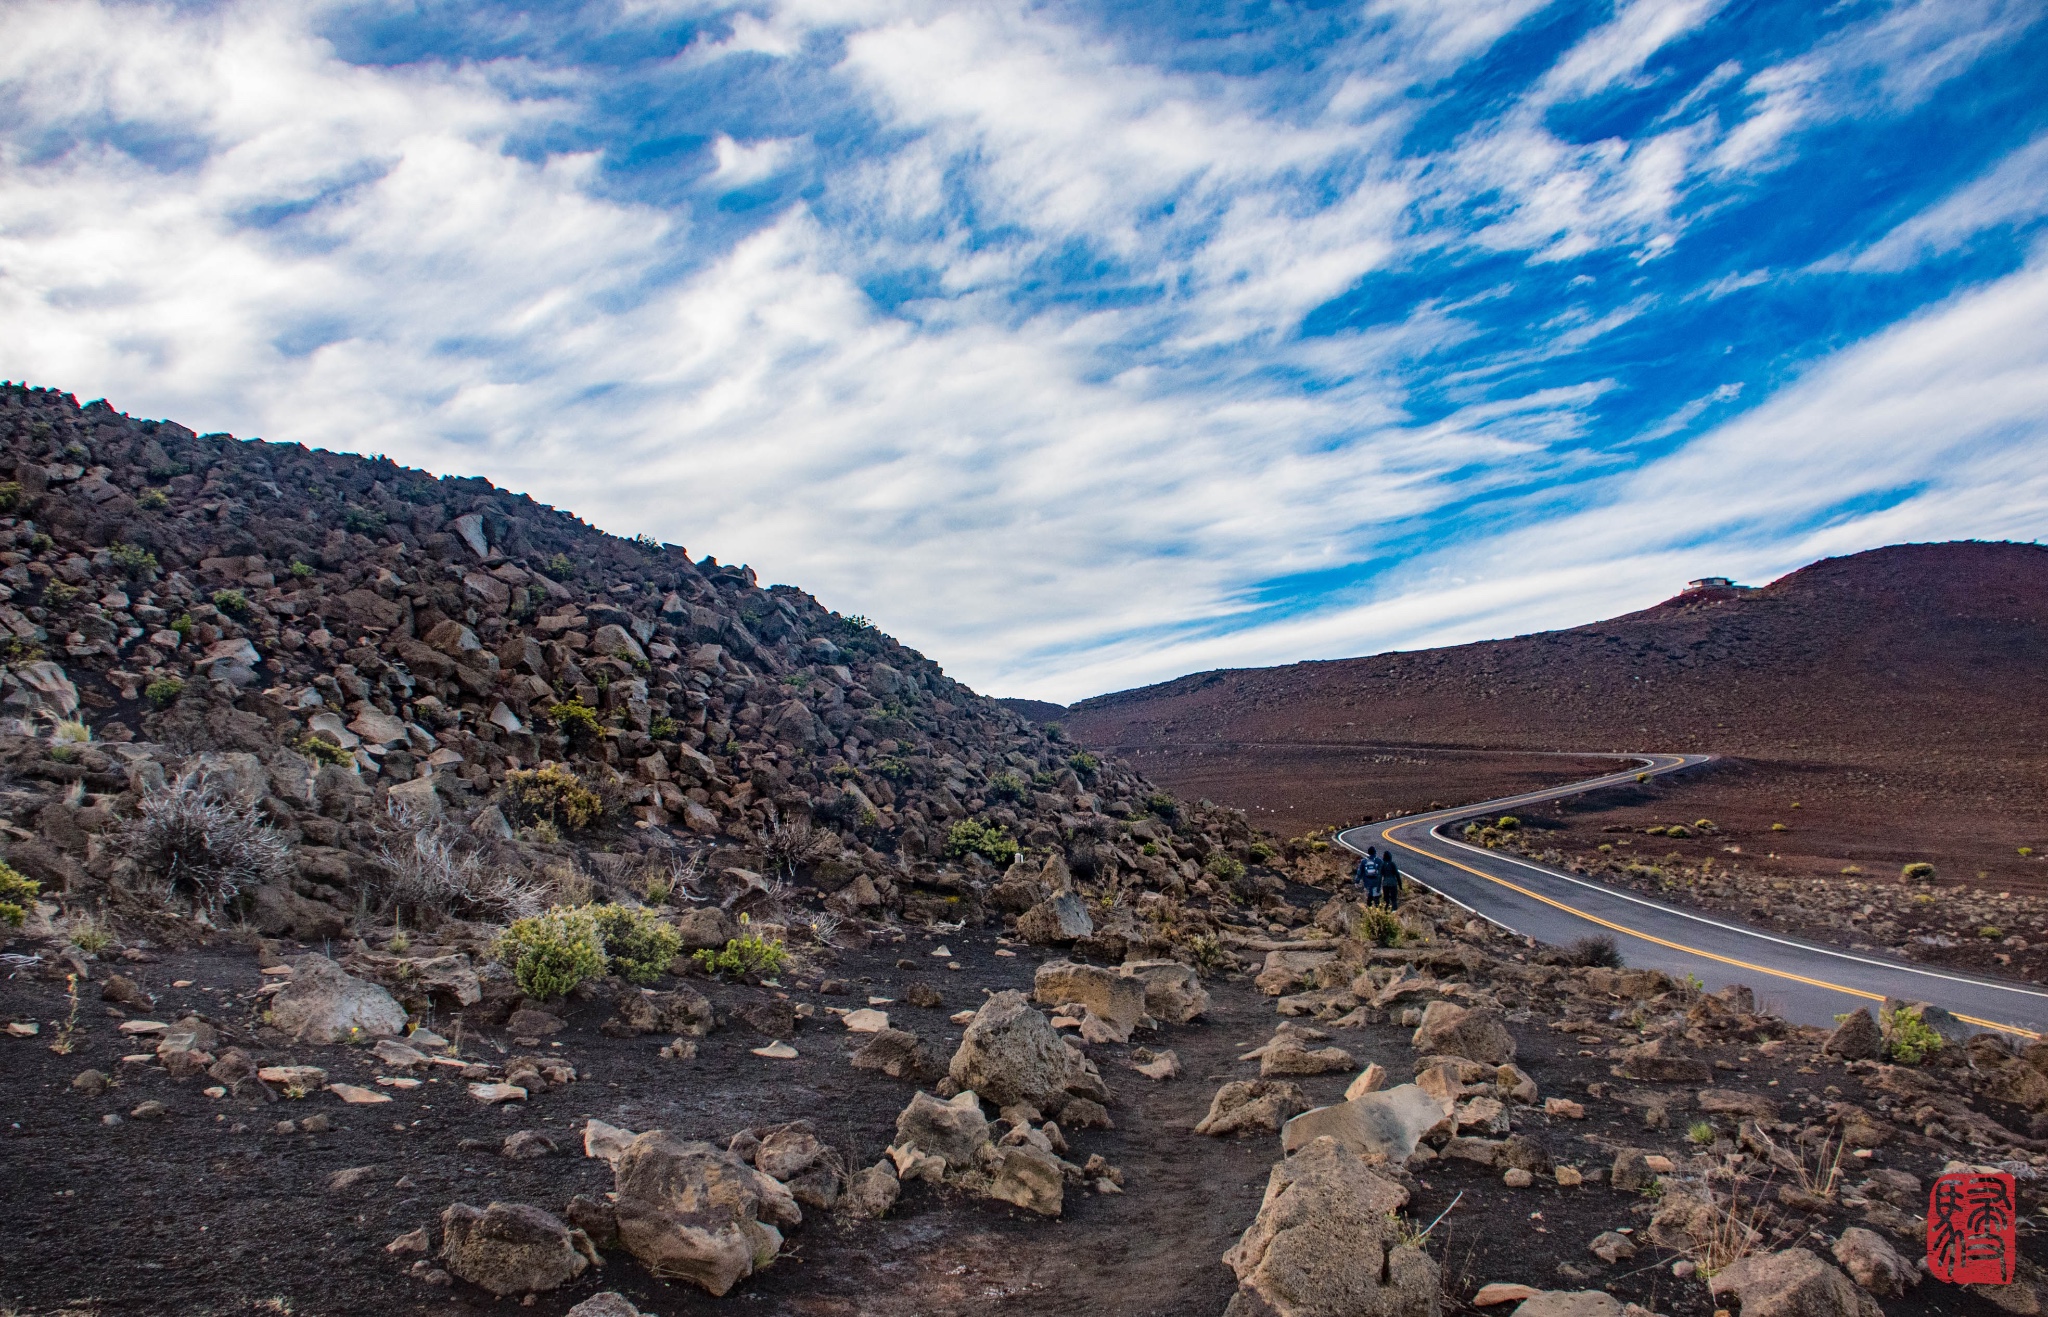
554	794
1678	830
552	952
663	728
323	751
191	838
1597	950
70	731
892	767
1163	805
1508	823
1919	871
183	626
1700	1132
1205	952
2025	851
560	567
1085	765
988	840
1260	852
750	954
301	569
1704	825
1779	827
639	943
1378	926
17	895
1008	785
576	718
1219	865
132	558
1909	1039
362	520
164	691
232	602
429	864
1991	931
10	496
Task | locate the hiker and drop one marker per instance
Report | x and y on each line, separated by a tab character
1390	881
1368	875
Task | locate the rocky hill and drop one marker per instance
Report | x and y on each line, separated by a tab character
337	641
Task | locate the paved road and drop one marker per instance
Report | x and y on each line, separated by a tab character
1806	982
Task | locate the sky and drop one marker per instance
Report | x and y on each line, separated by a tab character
1083	345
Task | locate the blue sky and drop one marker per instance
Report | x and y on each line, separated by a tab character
1083	345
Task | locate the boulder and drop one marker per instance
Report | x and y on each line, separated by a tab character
1570	1303
1285	970
325	1004
1287	1055
1856	1038
1389	1123
899	1054
706	928
1030	1178
871	1192
511	1248
1173	992
611	1303
689	1211
1113	998
1631	1172
606	1141
1794	1283
1656	1063
1010	1054
954	1130
1326	1244
1060	918
1475	1033
1874	1264
1252	1106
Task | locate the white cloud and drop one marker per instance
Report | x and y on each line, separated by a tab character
2013	191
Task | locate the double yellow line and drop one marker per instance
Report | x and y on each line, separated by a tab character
1387	835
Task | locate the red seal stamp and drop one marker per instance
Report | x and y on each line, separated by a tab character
1971	1228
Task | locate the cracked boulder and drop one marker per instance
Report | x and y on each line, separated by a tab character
325	1004
511	1248
690	1211
1011	1055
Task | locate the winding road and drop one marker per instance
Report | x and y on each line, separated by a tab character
1806	982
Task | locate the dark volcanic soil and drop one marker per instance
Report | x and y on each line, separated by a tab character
211	1211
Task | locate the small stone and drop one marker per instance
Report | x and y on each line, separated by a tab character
1611	1247
151	1110
1658	1164
23	1028
1517	1178
1684	1267
136	1028
1565	1107
1502	1292
524	1145
91	1083
110	1119
318	1123
1569	1176
216	1091
410	1243
357	1096
350	1178
493	1093
608	1304
397	1081
961	1017
285	1127
866	1020
777	1051
1370	1080
1161	1065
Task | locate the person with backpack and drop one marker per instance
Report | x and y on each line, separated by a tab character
1367	875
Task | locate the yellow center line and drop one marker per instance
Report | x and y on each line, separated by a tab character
1387	835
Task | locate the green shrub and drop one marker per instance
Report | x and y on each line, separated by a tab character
1260	852
663	728
1678	830
323	751
1508	823
1700	1132
1163	805
1378	926
1919	871
1219	865
164	691
183	626
1779	827
1008	785
576	718
554	794
132	558
1596	950
639	943
232	602
301	569
988	840
363	521
560	567
552	952
750	954
17	895
60	592
1909	1039
893	767
10	496
1991	931
1085	765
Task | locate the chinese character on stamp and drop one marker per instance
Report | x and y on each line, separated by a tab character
1971	1218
